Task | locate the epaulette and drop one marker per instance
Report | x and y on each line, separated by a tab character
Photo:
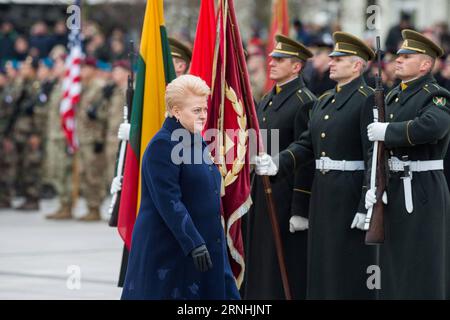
366	90
305	96
434	90
326	93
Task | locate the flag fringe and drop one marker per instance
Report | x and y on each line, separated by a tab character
235	216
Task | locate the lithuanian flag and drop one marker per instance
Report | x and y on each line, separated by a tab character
155	70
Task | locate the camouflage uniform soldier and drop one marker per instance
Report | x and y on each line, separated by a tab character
114	111
27	133
91	131
7	151
42	109
59	162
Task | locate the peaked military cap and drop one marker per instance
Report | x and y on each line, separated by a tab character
414	42
347	44
179	50
288	48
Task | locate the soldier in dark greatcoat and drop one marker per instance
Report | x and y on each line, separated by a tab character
284	114
336	140
415	256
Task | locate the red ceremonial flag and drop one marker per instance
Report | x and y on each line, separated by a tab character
280	25
203	52
232	112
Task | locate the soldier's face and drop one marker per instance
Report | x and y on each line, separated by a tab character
43	73
282	69
180	66
10	71
410	66
120	75
86	73
59	68
27	71
192	113
342	68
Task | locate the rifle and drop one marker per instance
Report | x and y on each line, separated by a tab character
374	223
113	210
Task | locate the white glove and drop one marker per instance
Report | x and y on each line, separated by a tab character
376	131
358	221
298	223
116	185
371	198
265	166
124	131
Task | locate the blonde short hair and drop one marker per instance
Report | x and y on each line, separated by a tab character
178	89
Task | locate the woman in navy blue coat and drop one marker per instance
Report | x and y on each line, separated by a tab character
178	248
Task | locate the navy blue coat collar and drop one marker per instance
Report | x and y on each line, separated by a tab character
171	124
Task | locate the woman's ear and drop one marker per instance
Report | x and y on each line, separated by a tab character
175	111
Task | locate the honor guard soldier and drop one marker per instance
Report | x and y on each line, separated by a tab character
416	252
283	113
181	56
336	140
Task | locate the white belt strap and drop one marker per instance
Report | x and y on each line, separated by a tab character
326	164
397	165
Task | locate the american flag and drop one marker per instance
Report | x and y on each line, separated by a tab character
71	86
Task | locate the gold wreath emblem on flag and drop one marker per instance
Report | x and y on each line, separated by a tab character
228	177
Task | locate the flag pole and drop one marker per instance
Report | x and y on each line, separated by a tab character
75	179
265	179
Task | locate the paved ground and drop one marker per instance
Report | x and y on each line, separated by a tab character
42	259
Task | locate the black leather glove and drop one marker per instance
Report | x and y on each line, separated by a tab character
98	147
202	260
